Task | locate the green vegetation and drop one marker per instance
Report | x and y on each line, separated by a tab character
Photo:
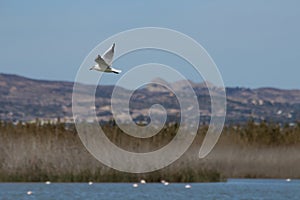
44	151
264	133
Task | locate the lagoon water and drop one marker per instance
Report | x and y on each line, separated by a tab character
233	189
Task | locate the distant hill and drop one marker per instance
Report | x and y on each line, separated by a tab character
24	99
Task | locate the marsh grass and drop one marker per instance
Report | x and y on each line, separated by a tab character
41	152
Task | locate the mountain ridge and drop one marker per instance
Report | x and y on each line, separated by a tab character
25	99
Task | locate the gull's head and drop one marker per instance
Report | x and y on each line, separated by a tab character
92	67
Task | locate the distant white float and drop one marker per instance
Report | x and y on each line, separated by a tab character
90	183
104	63
135	185
29	192
47	182
143	181
166	183
288	180
188	186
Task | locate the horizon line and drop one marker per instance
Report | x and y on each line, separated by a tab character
69	81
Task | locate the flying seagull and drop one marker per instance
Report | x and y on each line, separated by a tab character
104	63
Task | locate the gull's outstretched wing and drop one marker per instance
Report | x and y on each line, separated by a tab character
109	55
101	62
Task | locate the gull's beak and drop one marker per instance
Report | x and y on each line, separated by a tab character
91	68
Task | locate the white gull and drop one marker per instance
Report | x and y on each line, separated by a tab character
104	63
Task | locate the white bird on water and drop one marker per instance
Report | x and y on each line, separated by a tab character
104	63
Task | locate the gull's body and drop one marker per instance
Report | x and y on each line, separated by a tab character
104	63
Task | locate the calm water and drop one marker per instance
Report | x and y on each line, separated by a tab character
242	189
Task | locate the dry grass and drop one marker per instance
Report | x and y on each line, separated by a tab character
33	152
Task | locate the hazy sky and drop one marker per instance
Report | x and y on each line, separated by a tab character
255	43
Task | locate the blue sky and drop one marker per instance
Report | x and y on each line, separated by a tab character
254	43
